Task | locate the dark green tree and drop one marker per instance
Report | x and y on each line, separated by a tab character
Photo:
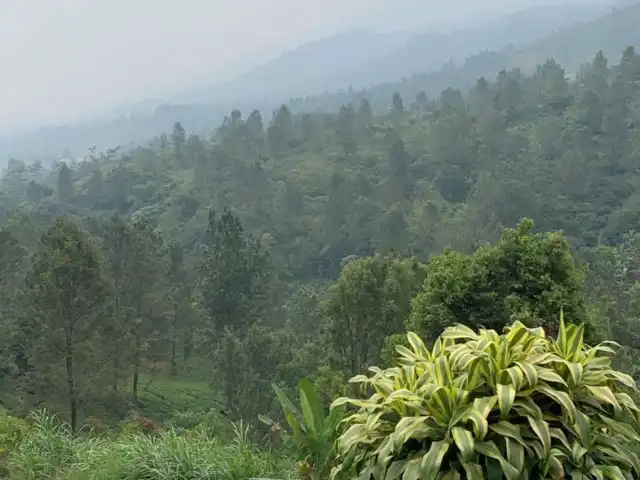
66	190
66	291
117	242
365	113
346	128
180	291
397	105
147	272
236	287
530	277
368	303
179	141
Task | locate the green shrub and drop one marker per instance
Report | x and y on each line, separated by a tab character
313	431
12	431
51	451
489	406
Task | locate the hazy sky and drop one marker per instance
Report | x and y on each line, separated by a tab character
64	58
61	58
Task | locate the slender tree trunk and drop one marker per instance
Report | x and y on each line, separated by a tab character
71	391
353	348
116	366
174	335
116	326
136	350
136	368
186	344
230	379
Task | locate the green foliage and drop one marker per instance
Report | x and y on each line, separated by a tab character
234	272
524	276
182	402
65	288
488	406
373	298
197	332
313	431
52	451
236	283
65	183
12	431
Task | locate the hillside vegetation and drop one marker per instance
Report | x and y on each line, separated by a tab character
174	289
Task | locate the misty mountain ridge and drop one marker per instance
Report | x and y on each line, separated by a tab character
326	65
361	58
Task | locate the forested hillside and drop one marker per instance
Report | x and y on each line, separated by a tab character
248	257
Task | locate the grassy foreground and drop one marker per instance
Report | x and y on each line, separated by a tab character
49	451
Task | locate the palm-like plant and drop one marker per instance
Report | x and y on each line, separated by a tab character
487	406
313	430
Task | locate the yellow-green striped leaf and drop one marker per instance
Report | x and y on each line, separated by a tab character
507	429
604	394
576	341
473	471
612	472
464	442
490	450
550	376
562	333
575	372
480	424
396	469
431	462
541	429
626	380
530	372
405	428
441	398
418	345
620	428
515	453
506	397
517	377
413	469
516	333
560	436
460	332
560	398
359	379
355	402
407	354
443	371
450	475
485	405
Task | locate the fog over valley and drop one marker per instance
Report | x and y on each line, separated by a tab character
79	62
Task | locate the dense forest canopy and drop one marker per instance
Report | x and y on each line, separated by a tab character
263	252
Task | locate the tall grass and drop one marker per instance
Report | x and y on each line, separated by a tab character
50	451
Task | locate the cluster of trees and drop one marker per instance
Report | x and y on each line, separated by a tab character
309	245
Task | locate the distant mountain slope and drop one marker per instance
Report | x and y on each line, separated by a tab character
569	46
452	15
428	52
362	58
308	68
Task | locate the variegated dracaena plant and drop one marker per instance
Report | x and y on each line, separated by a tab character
487	406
